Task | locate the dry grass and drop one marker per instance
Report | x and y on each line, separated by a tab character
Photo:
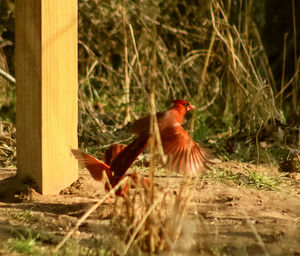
209	52
7	144
154	226
219	66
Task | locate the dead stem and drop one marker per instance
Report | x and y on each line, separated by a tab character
146	215
126	99
88	213
257	236
283	70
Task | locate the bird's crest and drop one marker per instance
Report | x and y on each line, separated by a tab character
180	102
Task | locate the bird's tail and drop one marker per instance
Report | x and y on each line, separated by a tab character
95	166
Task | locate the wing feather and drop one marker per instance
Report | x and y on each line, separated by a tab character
127	156
173	157
111	153
181	162
183	154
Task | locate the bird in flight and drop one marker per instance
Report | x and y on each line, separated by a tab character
182	153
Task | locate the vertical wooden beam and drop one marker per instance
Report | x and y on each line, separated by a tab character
46	74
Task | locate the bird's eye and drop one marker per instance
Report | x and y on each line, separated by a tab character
186	104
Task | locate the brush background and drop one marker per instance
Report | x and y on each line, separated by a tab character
237	96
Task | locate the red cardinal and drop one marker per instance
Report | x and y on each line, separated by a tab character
183	154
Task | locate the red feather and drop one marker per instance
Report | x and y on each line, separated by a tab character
95	166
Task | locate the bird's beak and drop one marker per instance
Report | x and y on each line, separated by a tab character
190	108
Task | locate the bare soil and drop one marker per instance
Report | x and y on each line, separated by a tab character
224	218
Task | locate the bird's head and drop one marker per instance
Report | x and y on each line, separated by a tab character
188	107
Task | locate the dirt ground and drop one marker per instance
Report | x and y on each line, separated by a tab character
224	218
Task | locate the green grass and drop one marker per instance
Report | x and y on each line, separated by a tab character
263	181
26	216
251	152
26	245
74	248
33	243
247	178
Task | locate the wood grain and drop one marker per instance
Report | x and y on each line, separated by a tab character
46	74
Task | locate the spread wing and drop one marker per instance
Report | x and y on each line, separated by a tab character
142	126
111	153
126	157
95	166
183	154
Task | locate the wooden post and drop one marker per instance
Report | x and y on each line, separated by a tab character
46	75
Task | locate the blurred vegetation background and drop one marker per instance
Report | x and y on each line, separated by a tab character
236	61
